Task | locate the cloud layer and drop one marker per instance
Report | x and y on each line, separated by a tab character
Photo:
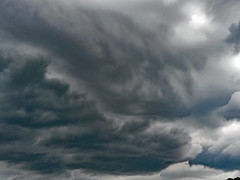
124	88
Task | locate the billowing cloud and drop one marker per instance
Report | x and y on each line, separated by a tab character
131	79
117	89
47	128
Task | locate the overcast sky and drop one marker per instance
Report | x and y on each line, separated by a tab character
119	89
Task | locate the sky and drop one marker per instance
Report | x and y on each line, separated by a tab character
119	89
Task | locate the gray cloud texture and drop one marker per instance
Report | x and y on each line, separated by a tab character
47	128
128	93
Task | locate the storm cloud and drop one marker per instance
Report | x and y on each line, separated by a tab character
48	128
124	88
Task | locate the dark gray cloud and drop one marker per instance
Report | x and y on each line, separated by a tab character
47	128
234	37
231	109
221	161
133	85
55	129
126	78
28	98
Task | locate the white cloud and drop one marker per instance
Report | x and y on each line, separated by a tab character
179	171
195	26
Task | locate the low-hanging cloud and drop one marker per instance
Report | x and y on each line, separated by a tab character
47	128
126	98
